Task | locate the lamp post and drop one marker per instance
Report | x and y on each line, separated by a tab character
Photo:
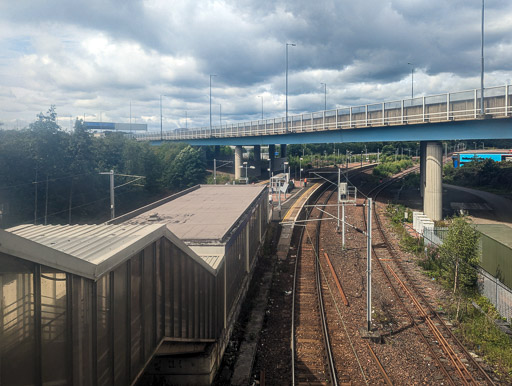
325	95
293	45
161	124
300	170
482	71
215	171
211	75
260	96
220	114
412	80
246	167
161	119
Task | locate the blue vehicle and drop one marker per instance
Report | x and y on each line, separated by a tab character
459	159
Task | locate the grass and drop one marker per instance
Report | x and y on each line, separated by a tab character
478	332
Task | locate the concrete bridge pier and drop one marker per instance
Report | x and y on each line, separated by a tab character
257	160
216	151
272	156
283	151
433	194
423	163
238	162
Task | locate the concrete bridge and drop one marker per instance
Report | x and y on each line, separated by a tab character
428	119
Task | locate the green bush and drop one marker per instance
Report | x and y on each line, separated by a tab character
482	173
387	169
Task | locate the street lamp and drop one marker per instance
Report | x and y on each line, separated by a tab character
325	95
412	80
260	96
300	170
293	45
482	71
211	75
161	124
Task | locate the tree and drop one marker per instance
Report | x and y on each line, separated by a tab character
460	252
187	169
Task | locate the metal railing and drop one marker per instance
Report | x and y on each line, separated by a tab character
489	286
498	294
461	105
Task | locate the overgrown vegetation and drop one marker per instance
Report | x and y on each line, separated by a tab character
454	266
386	169
478	331
45	171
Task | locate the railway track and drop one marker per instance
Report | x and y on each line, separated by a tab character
316	312
450	356
313	363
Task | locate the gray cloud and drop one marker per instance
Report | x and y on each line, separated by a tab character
90	56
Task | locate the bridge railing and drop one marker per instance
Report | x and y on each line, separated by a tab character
460	105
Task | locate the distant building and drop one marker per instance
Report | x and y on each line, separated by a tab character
463	157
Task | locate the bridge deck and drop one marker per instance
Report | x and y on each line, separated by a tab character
457	106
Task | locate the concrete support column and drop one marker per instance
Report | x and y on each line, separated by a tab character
216	151
272	156
238	162
283	150
257	160
423	162
433	199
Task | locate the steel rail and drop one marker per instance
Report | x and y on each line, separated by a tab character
401	301
316	249
294	289
318	280
457	364
336	280
465	352
379	364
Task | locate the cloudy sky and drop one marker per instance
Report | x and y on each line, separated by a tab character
98	57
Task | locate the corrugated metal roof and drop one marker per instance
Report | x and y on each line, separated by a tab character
92	243
212	260
205	214
89	250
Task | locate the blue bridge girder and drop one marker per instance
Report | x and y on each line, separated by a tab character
492	128
450	116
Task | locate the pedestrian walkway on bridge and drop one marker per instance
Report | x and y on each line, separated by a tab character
447	107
